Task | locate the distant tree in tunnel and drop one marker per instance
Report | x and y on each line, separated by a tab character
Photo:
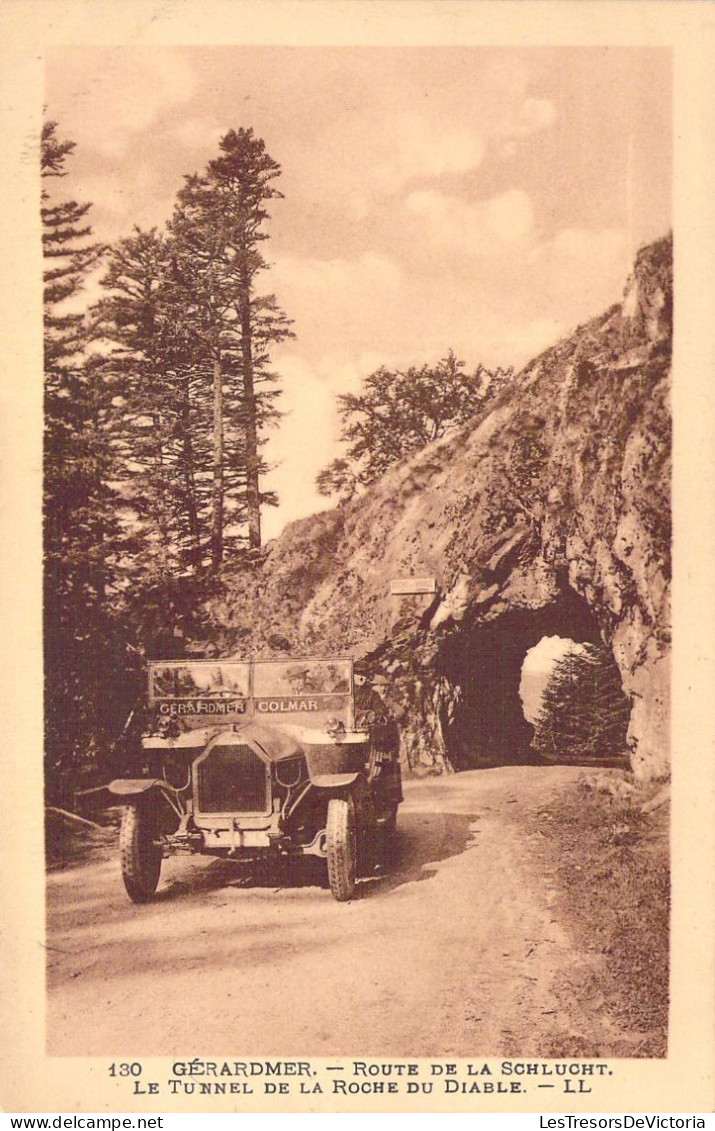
584	713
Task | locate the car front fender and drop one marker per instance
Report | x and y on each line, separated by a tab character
333	781
135	787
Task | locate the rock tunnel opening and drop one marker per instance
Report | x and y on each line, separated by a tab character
482	718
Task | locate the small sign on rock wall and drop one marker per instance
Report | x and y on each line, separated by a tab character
404	586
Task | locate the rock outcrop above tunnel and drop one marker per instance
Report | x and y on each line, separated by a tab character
550	512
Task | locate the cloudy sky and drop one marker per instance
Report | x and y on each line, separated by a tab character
485	200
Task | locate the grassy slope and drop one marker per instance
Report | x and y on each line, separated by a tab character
609	863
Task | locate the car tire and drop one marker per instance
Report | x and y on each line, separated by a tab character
139	853
342	848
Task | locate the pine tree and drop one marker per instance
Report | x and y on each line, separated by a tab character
152	367
216	233
79	528
584	713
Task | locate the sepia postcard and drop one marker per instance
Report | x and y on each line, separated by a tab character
357	585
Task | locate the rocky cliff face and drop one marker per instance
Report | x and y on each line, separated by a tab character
548	514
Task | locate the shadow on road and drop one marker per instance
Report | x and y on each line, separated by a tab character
423	840
295	872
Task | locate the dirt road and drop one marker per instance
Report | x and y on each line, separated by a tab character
455	952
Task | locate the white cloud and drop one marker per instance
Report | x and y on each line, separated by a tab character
362	160
117	94
307	436
159	79
347	375
118	205
510	216
198	133
409	145
418	148
340	305
596	248
335	275
534	114
537	335
302	445
582	270
502	223
337	300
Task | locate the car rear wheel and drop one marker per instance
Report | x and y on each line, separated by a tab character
342	847
140	855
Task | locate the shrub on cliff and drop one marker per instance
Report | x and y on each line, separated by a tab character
397	412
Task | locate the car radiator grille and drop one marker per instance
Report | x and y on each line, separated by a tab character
232	779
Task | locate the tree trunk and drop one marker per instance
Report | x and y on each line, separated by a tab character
162	509
217	494
253	500
189	480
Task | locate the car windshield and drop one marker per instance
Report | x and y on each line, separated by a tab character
299	692
199	678
301	677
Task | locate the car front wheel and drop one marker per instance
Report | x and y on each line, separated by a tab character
342	847
140	854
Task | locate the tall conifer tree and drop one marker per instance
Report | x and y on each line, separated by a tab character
217	231
584	712
78	505
151	364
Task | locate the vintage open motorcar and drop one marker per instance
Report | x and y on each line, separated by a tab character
257	760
